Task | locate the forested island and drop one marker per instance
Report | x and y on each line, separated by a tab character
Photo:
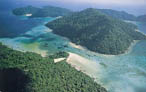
97	31
118	14
141	18
123	15
46	11
29	72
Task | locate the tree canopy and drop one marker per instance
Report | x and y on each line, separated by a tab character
141	18
46	11
29	72
97	31
118	14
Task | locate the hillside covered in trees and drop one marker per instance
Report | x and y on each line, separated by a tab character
118	14
97	31
46	11
141	18
29	72
123	15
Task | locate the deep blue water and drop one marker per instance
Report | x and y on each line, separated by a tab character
12	26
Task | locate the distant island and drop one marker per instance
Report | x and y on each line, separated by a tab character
29	72
118	14
123	15
46	11
141	18
96	31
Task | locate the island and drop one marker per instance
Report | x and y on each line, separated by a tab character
118	14
141	18
96	31
46	11
29	72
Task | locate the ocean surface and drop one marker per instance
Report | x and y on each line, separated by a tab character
120	73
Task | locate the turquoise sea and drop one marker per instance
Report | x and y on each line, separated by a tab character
120	73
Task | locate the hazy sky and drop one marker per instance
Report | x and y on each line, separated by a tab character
105	2
136	7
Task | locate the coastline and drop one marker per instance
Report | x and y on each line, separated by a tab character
90	67
76	46
137	30
58	60
17	45
84	65
129	49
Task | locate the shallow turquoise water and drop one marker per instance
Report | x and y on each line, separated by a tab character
121	73
125	73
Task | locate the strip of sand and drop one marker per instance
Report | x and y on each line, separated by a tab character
82	64
76	46
104	55
28	15
58	60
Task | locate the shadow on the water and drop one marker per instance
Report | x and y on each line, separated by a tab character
12	80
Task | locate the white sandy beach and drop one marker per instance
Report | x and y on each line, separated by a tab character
28	15
76	46
58	60
82	64
104	55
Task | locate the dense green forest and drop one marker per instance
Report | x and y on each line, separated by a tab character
97	31
29	72
141	18
123	15
118	14
46	11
